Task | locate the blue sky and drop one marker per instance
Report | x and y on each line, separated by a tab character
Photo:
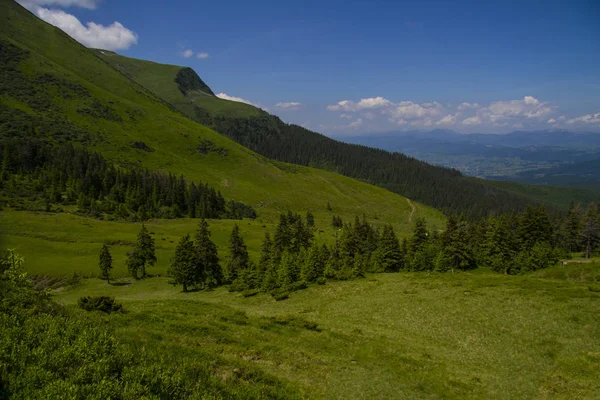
350	67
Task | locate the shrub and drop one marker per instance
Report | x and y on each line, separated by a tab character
321	280
281	296
99	303
293	287
250	292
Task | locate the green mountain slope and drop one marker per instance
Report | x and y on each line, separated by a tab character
54	89
269	136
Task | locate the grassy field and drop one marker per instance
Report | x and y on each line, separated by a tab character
406	335
63	243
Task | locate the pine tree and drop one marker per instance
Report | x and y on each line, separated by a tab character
105	263
271	277
590	231
500	246
419	236
456	250
388	257
310	220
312	267
238	255
282	240
144	250
208	256
573	226
185	267
265	254
134	263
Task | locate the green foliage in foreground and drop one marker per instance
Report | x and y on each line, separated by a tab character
49	352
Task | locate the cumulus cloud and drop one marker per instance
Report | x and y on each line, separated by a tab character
364	104
292	105
225	96
523	113
32	4
111	37
466	106
585	119
187	53
202	56
529	107
472	121
447	120
355	124
409	110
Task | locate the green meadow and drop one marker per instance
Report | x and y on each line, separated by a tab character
402	335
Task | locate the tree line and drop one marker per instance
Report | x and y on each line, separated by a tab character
65	174
291	258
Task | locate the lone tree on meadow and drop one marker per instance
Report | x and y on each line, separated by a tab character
186	268
142	255
208	256
105	263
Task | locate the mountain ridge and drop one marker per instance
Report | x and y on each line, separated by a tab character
271	137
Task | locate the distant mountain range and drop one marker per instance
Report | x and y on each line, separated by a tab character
541	157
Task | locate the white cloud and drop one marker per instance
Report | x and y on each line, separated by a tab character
447	120
355	124
202	56
292	105
466	106
472	121
409	110
586	119
364	104
34	4
111	37
528	112
187	53
225	96
529	107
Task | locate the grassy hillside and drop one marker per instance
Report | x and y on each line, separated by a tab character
269	136
57	90
403	335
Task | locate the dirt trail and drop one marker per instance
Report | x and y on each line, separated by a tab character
413	210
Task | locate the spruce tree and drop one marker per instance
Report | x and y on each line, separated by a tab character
208	256
265	254
573	226
185	267
145	250
310	220
105	263
419	236
238	255
590	231
388	256
456	249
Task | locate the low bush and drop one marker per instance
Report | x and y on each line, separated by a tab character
99	303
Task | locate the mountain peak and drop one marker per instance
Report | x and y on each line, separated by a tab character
188	81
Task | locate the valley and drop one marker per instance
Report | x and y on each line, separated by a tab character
160	239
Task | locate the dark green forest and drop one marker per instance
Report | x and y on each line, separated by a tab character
34	172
